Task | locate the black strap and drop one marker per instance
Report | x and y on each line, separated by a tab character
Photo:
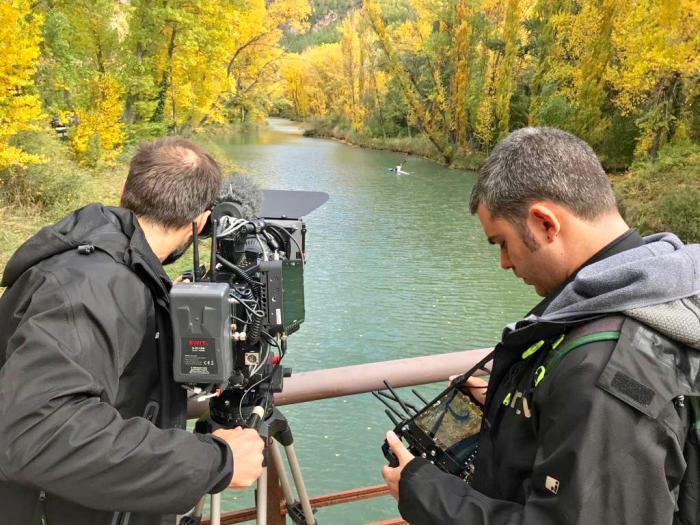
481	365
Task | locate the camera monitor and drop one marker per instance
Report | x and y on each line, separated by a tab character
445	431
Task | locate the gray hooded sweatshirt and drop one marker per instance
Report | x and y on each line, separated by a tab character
657	284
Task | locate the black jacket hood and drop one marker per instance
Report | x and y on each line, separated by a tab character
112	230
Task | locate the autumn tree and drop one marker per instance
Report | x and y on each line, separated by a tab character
143	44
80	78
20	109
429	110
219	58
577	60
657	44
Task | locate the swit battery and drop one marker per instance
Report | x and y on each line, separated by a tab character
201	319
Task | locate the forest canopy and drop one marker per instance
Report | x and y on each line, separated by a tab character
81	80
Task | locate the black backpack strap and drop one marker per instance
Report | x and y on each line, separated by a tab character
689	490
602	329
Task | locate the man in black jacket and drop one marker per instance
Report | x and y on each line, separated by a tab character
91	421
593	396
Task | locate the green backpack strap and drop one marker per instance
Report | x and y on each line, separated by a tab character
695	412
605	329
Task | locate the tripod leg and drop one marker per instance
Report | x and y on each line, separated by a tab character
299	483
215	509
261	496
281	472
199	510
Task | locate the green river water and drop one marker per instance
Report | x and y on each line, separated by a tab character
397	267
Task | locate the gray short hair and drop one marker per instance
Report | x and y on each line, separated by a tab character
533	164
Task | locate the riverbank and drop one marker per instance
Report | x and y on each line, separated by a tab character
663	195
416	145
654	196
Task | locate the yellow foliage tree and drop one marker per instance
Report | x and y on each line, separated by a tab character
20	108
313	81
221	55
658	50
423	111
484	123
460	81
80	75
507	65
580	56
350	46
99	131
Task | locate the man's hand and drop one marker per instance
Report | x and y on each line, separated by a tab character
477	387
247	449
393	475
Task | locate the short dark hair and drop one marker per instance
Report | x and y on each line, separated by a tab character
534	164
171	181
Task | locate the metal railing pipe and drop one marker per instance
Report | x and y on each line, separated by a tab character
357	379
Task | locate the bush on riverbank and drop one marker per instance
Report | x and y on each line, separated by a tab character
53	185
417	144
663	195
41	194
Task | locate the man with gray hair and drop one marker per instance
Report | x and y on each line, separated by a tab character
591	414
92	424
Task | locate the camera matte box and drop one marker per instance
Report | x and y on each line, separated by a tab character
201	319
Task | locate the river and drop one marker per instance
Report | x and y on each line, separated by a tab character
397	267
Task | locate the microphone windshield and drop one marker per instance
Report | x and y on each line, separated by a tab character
241	190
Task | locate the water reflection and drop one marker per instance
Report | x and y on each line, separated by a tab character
397	268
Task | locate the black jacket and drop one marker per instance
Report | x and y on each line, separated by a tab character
585	455
598	440
89	413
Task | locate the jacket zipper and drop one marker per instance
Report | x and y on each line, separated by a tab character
42	507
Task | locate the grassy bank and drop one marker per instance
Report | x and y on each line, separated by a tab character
663	195
416	145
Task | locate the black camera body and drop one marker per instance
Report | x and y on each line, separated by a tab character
231	324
